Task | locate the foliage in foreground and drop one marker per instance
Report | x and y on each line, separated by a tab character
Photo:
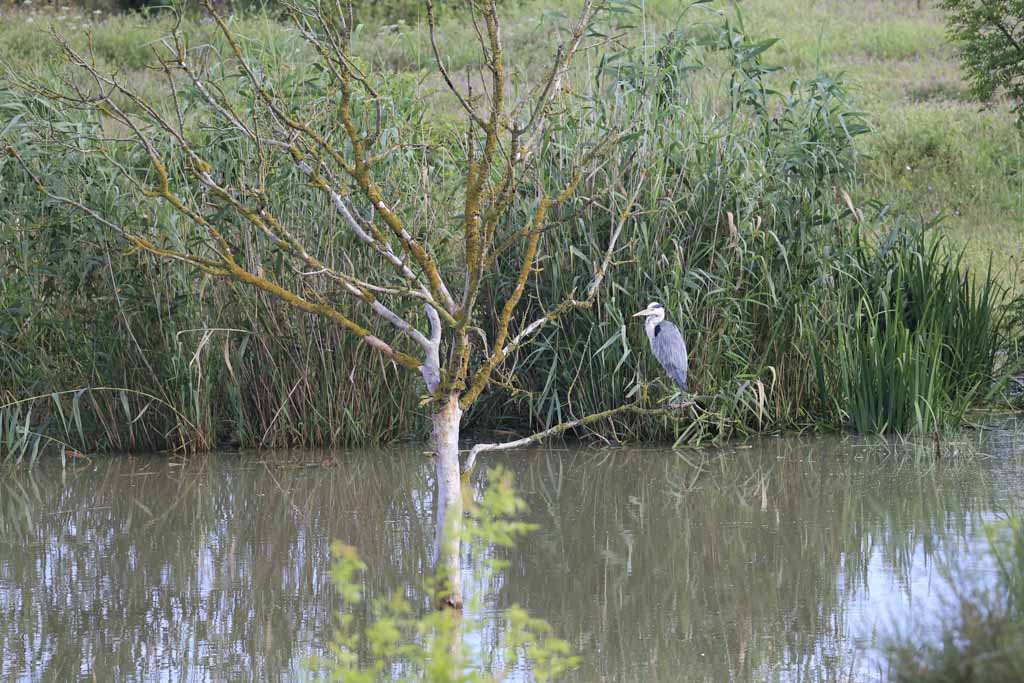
743	228
991	38
983	640
396	640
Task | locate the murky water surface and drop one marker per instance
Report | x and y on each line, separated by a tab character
784	559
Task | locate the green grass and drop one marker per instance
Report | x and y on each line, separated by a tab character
923	339
933	151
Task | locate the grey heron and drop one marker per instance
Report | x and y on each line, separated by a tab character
666	343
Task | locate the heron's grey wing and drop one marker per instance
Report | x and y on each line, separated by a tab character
670	350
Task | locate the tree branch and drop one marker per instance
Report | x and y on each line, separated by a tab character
229	269
533	233
1007	33
553	84
431	369
479	171
432	29
358	168
261	218
341	205
563	427
593	288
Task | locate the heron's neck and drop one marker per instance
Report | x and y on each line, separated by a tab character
652	322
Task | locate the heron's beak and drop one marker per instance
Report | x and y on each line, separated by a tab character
644	313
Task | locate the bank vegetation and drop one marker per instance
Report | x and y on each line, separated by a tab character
804	308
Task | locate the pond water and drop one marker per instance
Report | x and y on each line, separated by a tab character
780	559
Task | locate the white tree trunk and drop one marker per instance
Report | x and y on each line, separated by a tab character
449	503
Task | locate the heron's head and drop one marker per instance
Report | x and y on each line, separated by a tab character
654	311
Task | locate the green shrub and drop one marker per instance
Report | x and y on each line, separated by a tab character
743	228
990	34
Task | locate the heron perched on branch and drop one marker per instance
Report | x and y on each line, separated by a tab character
666	343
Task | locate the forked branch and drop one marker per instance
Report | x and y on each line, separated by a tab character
355	165
571	303
502	346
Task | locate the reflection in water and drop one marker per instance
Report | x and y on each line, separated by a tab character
774	561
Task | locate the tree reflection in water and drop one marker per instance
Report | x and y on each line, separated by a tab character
744	563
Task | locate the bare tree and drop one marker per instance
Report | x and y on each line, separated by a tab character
340	153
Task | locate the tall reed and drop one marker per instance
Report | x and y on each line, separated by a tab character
922	342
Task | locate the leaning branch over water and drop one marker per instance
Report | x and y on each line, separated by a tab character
566	426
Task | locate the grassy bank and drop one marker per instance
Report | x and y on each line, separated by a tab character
772	226
935	150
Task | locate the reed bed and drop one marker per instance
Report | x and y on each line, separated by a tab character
802	310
